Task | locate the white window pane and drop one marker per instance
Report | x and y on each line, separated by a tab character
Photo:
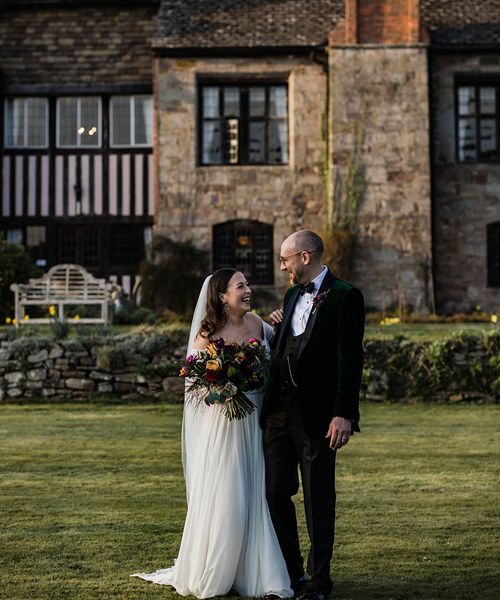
88	128
231	141
143	120
467	150
278	142
487	97
257	142
231	101
14	134
67	134
277	101
211	102
37	121
211	151
120	114
257	100
466	101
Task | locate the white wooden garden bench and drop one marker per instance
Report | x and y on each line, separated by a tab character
63	285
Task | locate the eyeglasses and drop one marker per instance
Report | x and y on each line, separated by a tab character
283	259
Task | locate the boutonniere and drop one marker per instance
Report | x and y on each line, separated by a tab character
319	299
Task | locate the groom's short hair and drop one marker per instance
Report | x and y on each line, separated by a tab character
308	240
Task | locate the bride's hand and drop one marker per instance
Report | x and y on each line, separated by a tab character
276	317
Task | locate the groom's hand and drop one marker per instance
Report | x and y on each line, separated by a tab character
339	432
276	317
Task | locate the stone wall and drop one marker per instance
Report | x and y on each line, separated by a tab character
191	198
77	44
460	368
119	367
386	88
466	196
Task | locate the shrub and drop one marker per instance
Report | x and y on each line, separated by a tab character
16	266
461	364
172	278
134	315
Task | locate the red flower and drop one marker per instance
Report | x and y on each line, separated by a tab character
211	376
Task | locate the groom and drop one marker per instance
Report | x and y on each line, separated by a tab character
311	407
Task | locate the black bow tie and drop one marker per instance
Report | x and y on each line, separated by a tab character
306	287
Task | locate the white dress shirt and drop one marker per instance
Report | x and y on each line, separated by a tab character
304	305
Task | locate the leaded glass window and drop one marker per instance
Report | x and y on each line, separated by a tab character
26	122
243	124
246	246
131	121
477	123
79	122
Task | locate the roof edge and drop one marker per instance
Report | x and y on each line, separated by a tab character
233	51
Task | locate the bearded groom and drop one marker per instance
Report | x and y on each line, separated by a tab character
311	407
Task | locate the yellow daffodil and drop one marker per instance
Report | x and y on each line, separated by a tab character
8	320
390	321
14	321
77	317
52	311
494	319
26	318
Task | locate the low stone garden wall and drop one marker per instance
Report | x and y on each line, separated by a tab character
461	368
121	366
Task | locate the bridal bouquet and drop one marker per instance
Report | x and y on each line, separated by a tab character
225	372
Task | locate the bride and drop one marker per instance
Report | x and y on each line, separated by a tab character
228	541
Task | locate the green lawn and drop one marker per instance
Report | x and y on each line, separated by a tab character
413	331
420	332
92	493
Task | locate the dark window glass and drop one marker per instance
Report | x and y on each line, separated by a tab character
493	235
127	245
243	124
248	247
79	245
477	123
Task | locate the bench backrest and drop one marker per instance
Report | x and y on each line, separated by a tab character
65	282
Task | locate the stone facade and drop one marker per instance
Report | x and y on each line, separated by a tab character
384	91
192	199
466	196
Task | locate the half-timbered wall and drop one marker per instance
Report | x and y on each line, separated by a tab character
73	185
93	205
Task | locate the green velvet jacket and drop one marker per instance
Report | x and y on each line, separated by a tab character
330	364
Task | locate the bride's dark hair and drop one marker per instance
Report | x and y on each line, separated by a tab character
215	318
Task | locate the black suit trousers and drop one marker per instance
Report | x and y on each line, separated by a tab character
287	447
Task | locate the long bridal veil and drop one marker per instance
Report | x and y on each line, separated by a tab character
191	416
199	313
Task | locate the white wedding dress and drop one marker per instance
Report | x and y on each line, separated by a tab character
229	540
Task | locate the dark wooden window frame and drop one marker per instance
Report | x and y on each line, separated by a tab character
231	228
244	118
493	252
477	82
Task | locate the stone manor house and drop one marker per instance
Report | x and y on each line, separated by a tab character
224	123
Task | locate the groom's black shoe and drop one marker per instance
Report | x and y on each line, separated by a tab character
299	586
311	592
